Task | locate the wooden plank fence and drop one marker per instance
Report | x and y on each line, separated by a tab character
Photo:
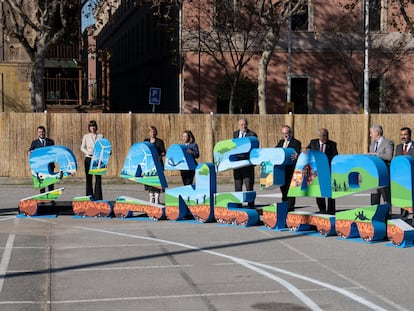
17	130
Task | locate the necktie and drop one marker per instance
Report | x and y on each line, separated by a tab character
405	149
285	143
376	146
321	148
43	141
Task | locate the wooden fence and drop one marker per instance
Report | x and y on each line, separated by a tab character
17	130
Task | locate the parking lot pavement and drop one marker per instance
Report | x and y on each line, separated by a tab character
69	263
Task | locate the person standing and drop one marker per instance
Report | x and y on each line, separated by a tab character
244	174
154	193
288	141
405	148
327	146
192	148
384	149
39	142
88	144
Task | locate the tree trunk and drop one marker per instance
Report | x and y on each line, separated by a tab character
37	84
262	81
233	86
269	47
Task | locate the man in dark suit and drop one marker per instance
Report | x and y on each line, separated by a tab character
384	149
288	141
327	146
39	142
405	148
244	174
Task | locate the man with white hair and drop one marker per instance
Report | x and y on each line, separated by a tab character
384	149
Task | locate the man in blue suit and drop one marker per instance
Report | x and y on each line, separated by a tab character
39	142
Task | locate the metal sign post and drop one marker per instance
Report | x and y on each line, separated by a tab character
154	97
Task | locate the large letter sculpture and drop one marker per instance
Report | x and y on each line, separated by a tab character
272	163
141	166
402	196
193	201
311	178
353	174
86	205
231	154
43	163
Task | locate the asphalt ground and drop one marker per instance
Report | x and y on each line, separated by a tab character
69	263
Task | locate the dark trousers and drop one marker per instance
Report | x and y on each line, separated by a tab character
244	175
285	188
50	188
187	176
97	194
385	193
321	202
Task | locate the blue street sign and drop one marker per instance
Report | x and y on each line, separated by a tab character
155	96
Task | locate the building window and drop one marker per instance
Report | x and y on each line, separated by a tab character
376	95
301	93
226	12
377	15
374	15
300	21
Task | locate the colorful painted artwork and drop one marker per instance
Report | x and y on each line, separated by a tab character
234	153
351	174
356	173
311	177
272	162
30	206
139	166
368	223
177	158
305	221
274	216
100	157
87	207
195	201
402	187
125	207
51	164
400	233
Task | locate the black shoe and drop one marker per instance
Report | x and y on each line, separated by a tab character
404	214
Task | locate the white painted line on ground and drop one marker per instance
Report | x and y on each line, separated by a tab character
253	266
5	259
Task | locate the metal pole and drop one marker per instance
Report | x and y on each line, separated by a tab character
199	57
180	82
366	61
289	50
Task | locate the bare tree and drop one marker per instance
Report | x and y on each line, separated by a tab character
273	15
228	33
39	26
388	52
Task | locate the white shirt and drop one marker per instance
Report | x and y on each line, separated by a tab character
88	143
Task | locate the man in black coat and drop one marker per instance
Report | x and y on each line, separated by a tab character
327	146
406	147
39	142
244	174
288	141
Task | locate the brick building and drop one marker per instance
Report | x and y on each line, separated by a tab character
326	58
